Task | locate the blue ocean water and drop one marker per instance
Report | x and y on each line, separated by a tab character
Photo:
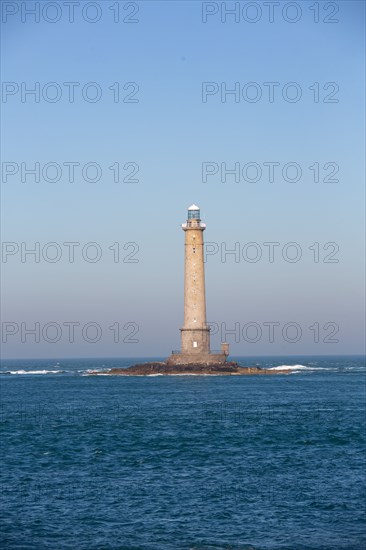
183	462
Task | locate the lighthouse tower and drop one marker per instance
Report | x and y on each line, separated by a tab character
195	333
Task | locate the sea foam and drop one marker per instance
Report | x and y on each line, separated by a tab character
21	371
291	367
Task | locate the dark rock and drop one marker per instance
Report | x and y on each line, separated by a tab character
229	368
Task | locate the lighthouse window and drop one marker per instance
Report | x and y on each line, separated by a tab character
194	250
193	214
194	344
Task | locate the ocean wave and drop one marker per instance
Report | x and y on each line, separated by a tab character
292	367
96	372
22	371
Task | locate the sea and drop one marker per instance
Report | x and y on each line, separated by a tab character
183	462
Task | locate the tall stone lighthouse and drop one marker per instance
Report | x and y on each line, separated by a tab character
195	333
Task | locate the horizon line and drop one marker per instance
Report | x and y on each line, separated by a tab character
160	357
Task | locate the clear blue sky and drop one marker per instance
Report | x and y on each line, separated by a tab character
169	52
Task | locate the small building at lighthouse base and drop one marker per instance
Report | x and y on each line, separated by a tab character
199	357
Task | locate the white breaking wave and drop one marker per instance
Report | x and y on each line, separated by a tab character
33	371
97	372
292	367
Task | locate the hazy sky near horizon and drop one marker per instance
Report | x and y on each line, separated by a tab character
140	109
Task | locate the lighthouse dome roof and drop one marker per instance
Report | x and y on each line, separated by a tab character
194	207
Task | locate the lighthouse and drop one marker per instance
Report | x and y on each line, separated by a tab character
195	333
